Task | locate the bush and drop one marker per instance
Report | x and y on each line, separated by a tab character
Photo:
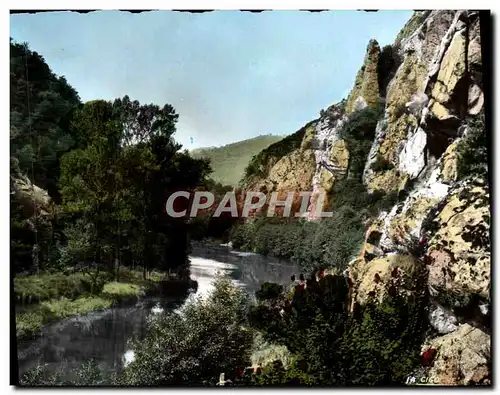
88	374
194	347
473	151
379	344
358	133
328	243
382	342
45	286
269	291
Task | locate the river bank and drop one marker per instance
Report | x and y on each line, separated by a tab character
107	336
45	298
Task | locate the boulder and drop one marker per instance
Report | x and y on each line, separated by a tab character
450	163
412	157
459	251
382	277
475	99
462	358
452	69
32	198
442	319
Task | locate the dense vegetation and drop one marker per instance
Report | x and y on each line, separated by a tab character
332	242
229	161
210	337
112	175
41	109
314	340
108	167
375	345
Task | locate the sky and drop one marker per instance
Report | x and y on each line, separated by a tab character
230	75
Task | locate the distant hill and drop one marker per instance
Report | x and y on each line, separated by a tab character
229	161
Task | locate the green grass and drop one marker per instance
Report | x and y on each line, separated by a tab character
30	323
37	288
119	291
50	297
54	296
136	276
229	161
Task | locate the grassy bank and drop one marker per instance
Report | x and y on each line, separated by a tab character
48	297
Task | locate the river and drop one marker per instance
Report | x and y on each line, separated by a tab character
105	336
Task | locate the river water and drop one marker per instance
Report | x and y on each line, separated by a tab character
105	336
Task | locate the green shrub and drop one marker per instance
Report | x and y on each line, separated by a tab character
473	150
45	286
382	342
379	344
88	374
328	243
358	133
269	291
209	338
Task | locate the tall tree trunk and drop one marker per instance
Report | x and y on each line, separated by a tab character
117	263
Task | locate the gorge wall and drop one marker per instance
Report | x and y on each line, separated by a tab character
428	88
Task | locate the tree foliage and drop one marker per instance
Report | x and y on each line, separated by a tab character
379	344
473	149
109	167
41	108
208	338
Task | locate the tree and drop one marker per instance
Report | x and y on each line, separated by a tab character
194	347
41	107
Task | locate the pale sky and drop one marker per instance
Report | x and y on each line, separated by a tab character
230	75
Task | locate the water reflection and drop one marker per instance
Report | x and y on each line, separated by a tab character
106	336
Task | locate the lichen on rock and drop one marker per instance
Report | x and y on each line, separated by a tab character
459	251
34	200
463	357
391	275
450	163
366	90
452	70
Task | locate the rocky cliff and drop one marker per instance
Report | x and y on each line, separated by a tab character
428	87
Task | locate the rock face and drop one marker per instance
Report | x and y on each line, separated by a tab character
292	172
366	87
436	237
321	159
459	251
33	199
386	276
331	153
462	357
441	223
441	60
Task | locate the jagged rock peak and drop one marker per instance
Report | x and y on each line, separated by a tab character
366	86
